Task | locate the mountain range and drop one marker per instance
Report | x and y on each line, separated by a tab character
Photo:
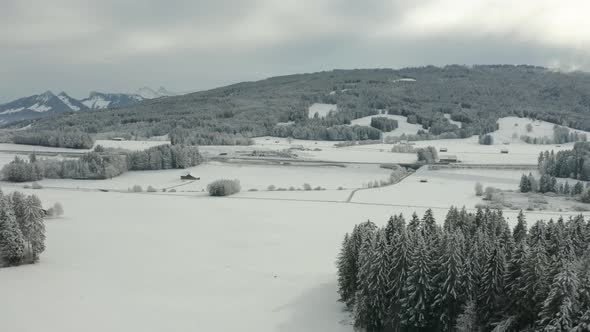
48	104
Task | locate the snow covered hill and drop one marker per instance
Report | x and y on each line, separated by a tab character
37	106
99	100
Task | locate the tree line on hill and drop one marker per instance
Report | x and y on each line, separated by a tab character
102	163
237	112
473	273
22	229
74	139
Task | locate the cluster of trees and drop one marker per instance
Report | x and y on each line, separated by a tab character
105	164
224	187
427	155
548	183
180	136
310	131
403	148
472	274
384	124
573	163
164	157
22	229
74	139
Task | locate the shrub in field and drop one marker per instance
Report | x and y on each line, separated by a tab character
271	187
172	190
56	210
35	185
136	188
306	186
478	189
151	189
223	187
489	193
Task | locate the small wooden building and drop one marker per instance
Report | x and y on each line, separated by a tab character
188	177
443	150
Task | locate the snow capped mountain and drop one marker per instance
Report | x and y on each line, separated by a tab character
73	104
99	100
149	93
47	104
36	106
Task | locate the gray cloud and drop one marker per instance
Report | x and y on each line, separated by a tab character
119	45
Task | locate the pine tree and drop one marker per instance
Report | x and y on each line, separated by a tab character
561	306
381	277
566	188
417	289
479	220
401	259
346	264
365	313
450	296
520	231
415	223
34	225
535	278
12	244
467	320
429	222
534	185
491	299
525	184
473	271
578	188
583	323
394	227
515	281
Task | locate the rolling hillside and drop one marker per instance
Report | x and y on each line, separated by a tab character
476	96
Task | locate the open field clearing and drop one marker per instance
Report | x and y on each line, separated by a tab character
182	260
178	262
403	126
258	177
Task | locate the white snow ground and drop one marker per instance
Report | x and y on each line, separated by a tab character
403	126
256	261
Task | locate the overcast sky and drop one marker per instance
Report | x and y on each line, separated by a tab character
189	45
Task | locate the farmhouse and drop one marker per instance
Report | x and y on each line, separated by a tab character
188	177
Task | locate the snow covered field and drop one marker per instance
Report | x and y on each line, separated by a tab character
251	177
511	128
403	126
255	261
